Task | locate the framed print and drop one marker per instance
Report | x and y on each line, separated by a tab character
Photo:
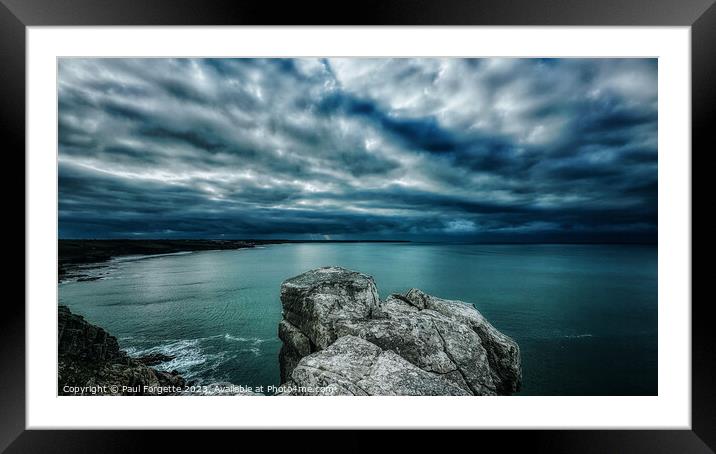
462	215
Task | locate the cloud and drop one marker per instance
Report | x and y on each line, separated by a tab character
460	226
439	149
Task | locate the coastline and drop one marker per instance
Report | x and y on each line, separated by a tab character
74	256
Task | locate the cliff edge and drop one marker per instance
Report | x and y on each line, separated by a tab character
90	362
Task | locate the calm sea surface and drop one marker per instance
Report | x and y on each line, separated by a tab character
585	317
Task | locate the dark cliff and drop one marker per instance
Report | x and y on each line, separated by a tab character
90	362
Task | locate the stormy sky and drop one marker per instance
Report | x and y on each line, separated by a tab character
421	149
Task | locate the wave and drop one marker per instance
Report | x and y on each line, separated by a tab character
187	353
193	357
255	350
188	356
578	336
254	340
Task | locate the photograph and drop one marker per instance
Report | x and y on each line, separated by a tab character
458	218
354	226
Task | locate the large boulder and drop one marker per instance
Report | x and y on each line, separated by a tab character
329	310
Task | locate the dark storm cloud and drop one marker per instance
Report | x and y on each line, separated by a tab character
489	149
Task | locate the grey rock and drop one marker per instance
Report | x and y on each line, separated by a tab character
415	338
450	341
503	353
353	366
295	346
314	300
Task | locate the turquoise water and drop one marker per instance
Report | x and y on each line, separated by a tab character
585	316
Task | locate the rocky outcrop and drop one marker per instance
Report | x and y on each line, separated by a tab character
340	338
91	362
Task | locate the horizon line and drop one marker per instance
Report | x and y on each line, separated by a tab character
502	242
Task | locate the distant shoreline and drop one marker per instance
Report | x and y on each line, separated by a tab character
73	254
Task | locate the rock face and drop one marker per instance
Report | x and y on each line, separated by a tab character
88	356
340	338
313	302
354	366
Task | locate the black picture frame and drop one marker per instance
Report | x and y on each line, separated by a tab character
16	15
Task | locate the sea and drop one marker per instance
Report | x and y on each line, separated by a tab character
584	316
